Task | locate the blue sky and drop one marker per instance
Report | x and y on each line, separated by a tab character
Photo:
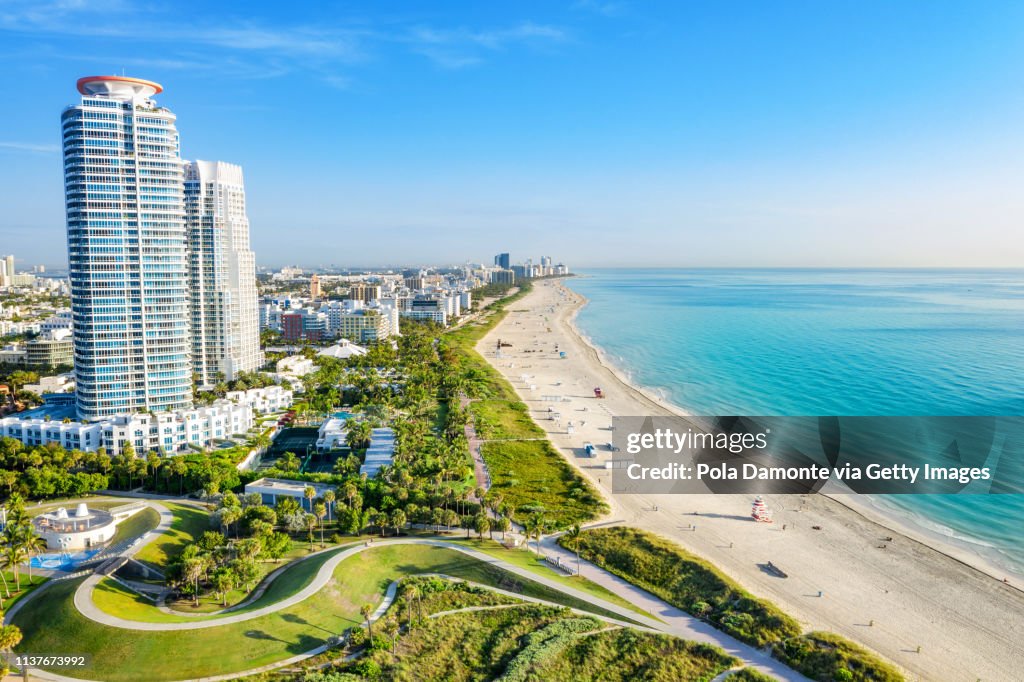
601	132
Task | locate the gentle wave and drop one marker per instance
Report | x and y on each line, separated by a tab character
843	342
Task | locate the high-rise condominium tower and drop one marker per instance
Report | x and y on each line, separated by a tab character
222	273
125	198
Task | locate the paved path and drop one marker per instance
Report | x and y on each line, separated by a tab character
474	442
669	618
674	620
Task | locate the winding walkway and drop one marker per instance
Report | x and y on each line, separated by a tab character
670	620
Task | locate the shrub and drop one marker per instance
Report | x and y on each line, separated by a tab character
826	657
688	582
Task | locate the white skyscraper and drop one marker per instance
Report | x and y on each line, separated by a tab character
7	271
222	273
124	194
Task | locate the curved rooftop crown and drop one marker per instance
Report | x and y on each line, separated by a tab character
118	87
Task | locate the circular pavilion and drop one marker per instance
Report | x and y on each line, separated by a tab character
85	528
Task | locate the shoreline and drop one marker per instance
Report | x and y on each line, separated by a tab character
869	510
890	598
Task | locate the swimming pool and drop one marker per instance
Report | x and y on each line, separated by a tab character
64	561
343	415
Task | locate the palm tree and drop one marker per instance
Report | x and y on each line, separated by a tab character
320	510
229	516
398	520
34	544
180	467
310	525
575	534
15	555
329	497
224	582
309	493
391	630
3	576
365	610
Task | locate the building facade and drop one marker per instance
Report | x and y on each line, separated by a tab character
222	273
125	204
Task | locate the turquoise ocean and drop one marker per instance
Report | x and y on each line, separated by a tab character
830	342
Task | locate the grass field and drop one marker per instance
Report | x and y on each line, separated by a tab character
117	600
189	523
117	655
26	588
136	525
526	559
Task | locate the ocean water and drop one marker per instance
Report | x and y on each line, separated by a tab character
830	342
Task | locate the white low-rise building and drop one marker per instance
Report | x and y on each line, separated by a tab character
164	432
331	435
84	528
263	400
295	366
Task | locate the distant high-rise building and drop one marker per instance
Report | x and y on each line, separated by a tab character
314	287
222	273
7	271
502	260
361	291
125	202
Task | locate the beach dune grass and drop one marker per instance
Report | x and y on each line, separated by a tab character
542	643
826	657
532	476
686	581
503	420
692	584
623	655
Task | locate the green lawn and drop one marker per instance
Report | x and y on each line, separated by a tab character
532	475
51	621
189	523
526	559
136	525
115	599
26	588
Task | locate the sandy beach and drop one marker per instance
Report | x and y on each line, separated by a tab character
969	625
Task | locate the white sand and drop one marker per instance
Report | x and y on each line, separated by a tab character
969	625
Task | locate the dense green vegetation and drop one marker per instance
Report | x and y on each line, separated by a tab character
673	574
623	655
501	419
48	471
533	477
668	571
826	657
750	675
525	642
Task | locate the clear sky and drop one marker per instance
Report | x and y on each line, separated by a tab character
601	132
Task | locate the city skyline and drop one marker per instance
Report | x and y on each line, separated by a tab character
622	133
